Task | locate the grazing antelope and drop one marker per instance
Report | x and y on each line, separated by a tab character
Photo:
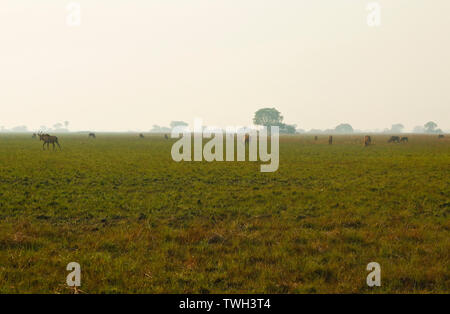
440	136
48	139
394	139
367	140
404	139
91	135
141	135
166	136
316	138
330	140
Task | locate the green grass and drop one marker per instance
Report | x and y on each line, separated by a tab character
138	222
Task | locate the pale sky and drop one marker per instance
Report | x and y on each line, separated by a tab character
132	64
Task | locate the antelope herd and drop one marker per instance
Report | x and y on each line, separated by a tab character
397	139
367	141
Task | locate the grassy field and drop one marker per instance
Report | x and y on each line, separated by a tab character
138	222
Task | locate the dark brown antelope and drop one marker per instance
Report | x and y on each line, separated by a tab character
34	135
367	140
330	140
404	139
394	139
166	136
141	135
48	139
92	135
440	136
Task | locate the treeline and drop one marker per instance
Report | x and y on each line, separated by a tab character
272	117
57	128
345	128
263	117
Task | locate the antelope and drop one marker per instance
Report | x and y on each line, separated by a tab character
166	136
92	135
404	139
440	136
48	139
141	135
367	140
394	139
34	135
330	140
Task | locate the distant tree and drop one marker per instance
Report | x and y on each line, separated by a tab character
397	128
66	124
58	127
156	128
430	127
418	129
272	117
287	128
268	117
344	128
20	128
159	129
315	131
174	124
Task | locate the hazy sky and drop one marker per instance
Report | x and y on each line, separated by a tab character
132	64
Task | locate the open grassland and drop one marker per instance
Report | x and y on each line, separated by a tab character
139	222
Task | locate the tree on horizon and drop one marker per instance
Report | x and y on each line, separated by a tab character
268	117
344	128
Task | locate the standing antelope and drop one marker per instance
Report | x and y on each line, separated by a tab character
330	140
141	135
48	139
92	135
247	139
367	140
